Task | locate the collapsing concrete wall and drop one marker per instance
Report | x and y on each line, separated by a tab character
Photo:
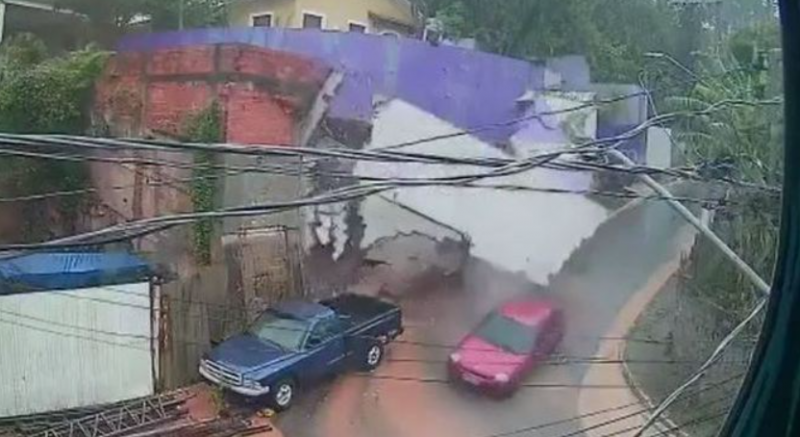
524	231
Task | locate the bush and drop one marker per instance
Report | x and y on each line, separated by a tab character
52	96
45	96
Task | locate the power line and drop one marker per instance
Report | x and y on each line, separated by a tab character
464	132
68	335
148	338
609	422
713	359
293	170
76	327
259	308
414	379
433	182
379	154
334	196
421	344
553	362
696	421
34	140
558	360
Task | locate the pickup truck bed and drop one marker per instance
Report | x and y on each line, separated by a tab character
356	312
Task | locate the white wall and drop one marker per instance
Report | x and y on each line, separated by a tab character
529	232
659	147
67	349
388	219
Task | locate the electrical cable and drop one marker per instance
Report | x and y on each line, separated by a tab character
243	319
421	380
701	371
334	196
372	154
63	334
384	376
57	139
696	421
637	412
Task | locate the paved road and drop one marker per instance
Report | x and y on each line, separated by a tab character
593	286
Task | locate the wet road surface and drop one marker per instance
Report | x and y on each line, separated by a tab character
408	396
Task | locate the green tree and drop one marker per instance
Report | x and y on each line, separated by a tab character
46	96
613	34
22	51
742	142
175	14
111	18
736	15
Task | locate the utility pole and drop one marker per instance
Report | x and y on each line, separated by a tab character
748	271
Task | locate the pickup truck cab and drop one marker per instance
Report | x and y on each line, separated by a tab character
298	342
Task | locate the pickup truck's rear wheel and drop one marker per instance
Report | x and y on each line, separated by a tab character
282	394
373	356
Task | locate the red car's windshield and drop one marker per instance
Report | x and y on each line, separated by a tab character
507	334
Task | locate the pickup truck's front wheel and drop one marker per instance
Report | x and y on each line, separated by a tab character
282	394
373	357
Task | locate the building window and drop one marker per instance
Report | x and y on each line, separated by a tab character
261	20
357	27
312	21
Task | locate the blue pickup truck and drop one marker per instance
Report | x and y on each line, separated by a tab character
298	342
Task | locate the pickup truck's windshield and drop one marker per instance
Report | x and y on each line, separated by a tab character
280	329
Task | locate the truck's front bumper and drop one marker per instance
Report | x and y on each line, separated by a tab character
244	391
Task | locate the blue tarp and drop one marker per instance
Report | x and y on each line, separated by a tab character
69	270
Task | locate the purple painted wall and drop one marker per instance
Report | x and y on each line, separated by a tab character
466	87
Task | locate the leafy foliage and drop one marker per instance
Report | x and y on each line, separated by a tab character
110	18
40	95
205	127
747	44
742	142
22	51
171	14
52	96
523	28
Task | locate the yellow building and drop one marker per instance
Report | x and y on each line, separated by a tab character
393	17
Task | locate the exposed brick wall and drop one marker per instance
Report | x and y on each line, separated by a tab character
170	105
265	96
285	69
182	61
132	64
253	116
121	93
264	93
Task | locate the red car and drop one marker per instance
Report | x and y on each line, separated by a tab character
507	345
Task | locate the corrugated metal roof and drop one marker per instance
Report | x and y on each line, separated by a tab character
69	270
